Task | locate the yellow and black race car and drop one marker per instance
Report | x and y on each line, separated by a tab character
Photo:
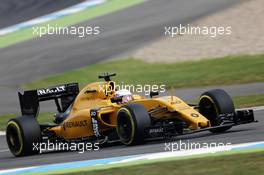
98	114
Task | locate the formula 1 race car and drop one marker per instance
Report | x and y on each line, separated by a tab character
99	113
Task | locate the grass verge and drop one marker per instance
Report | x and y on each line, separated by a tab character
88	14
244	101
43	118
224	71
234	164
249	101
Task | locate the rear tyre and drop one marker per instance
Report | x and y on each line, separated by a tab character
132	120
21	133
213	103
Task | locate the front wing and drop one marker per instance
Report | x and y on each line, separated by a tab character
227	120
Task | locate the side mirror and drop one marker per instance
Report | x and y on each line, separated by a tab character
106	76
152	94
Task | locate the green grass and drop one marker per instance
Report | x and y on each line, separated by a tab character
235	164
224	71
104	9
46	117
249	101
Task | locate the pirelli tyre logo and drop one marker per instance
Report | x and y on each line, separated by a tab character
93	114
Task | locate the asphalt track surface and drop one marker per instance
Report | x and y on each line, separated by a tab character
16	11
239	134
122	32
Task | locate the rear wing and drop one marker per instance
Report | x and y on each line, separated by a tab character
63	95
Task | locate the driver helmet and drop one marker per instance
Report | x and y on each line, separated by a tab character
125	94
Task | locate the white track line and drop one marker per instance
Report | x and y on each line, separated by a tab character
258	108
14	170
2	133
4	150
52	16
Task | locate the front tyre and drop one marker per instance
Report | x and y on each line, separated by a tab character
21	133
132	120
213	103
